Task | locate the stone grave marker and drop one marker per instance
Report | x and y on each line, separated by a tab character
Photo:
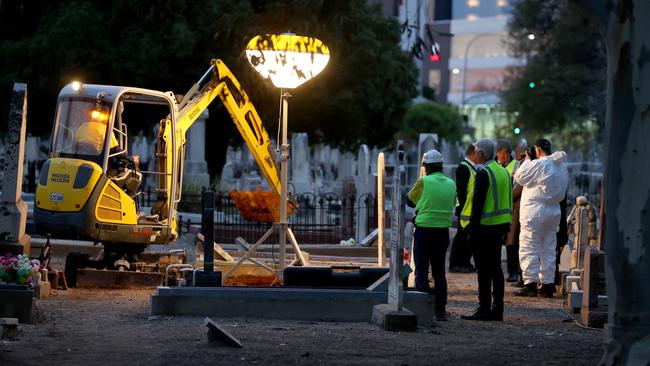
13	211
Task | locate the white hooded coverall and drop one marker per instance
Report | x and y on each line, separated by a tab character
545	183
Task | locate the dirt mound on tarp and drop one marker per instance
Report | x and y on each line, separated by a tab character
260	206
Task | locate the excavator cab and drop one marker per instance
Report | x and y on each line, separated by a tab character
89	187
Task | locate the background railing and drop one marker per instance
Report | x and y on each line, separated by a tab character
320	219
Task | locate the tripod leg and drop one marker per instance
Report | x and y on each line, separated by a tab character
296	248
249	252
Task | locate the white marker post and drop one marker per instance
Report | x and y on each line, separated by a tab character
381	260
395	288
392	315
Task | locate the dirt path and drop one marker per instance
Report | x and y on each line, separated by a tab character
112	327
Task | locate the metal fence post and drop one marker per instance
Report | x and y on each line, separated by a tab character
207	228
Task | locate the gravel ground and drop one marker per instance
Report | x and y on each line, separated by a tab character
112	327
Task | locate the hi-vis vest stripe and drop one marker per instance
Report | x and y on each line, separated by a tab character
472	171
498	202
510	167
467	208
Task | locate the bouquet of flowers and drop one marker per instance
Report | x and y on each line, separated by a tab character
19	269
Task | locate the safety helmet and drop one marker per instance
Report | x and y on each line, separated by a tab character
432	157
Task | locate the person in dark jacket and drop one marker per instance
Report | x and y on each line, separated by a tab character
512	240
562	238
461	254
504	157
488	225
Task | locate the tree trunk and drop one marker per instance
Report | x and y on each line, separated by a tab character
627	178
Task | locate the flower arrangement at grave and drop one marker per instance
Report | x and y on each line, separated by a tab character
19	270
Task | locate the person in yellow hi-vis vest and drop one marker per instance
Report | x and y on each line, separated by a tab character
91	135
488	225
434	197
504	157
460	255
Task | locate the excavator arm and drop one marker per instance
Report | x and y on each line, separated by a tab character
218	81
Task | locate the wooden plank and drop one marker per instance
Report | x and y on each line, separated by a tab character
218	250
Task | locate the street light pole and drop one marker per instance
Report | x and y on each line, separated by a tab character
469	45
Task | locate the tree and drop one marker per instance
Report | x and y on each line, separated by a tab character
562	84
627	203
361	96
165	49
363	93
442	119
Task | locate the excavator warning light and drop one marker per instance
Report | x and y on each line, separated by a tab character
287	59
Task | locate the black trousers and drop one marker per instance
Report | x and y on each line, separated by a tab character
486	245
430	248
461	253
512	256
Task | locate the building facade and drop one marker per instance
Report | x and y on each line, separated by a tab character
469	72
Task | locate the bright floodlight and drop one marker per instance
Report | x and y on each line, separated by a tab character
455	71
288	60
76	86
531	37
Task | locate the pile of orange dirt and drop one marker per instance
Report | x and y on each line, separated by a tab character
260	206
253	280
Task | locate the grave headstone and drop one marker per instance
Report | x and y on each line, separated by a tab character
140	148
196	168
32	149
228	180
346	166
427	141
12	208
364	186
333	162
252	181
300	163
374	153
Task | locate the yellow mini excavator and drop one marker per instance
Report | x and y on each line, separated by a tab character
88	188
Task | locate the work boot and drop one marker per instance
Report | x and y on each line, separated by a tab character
529	290
519	283
496	314
548	290
478	314
513	277
441	316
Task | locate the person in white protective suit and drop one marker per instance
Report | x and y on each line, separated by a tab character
545	181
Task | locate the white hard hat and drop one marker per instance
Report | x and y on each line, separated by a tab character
432	157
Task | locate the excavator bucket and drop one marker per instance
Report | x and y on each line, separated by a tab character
261	206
